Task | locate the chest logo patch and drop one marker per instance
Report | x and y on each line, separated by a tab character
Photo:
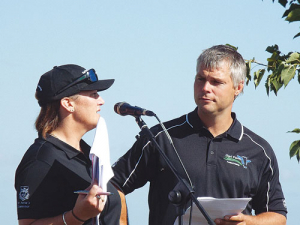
237	160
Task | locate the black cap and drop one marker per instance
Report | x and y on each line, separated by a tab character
50	83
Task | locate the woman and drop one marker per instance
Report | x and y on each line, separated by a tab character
57	164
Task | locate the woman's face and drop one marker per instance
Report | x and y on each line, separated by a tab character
86	108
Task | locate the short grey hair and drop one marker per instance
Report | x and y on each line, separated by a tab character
214	57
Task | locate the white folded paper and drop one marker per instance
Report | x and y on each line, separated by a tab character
100	157
215	208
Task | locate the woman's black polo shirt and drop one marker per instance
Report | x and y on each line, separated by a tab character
47	177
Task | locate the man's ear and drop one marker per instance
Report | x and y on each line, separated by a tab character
239	89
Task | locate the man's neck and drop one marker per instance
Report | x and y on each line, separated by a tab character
216	124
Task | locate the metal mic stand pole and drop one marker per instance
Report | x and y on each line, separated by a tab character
184	188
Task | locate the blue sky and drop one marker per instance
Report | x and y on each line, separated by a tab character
150	48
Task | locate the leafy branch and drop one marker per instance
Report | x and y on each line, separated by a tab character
295	146
291	14
282	68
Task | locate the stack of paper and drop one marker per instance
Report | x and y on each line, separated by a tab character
216	208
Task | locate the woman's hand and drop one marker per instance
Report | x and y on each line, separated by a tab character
89	205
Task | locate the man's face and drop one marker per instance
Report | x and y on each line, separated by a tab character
214	92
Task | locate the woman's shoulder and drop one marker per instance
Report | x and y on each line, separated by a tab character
41	152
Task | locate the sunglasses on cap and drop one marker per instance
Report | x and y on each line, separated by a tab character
87	75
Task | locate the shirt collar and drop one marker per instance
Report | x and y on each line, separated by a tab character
235	131
68	149
194	121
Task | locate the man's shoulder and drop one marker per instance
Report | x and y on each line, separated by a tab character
256	139
178	122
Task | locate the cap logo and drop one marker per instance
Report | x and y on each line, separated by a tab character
39	87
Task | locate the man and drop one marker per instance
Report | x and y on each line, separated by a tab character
212	150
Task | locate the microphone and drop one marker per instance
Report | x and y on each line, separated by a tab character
124	109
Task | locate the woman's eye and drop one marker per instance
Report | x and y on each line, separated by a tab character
95	95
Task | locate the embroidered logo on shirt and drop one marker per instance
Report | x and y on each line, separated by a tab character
237	160
284	203
24	193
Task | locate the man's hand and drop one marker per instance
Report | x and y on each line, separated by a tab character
267	218
232	220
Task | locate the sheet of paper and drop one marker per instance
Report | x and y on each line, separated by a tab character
100	157
216	208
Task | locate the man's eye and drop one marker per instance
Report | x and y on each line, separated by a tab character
218	82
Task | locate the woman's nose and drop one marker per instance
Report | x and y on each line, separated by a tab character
101	100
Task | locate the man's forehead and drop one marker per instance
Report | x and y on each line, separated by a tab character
214	65
221	72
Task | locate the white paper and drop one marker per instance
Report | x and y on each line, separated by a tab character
215	208
100	157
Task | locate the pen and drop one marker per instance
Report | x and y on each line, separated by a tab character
85	192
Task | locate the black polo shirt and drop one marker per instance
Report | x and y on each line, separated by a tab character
235	164
47	176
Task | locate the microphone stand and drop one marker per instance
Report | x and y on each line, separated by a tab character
182	190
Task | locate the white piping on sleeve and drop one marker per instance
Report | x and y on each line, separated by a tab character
143	151
136	164
268	197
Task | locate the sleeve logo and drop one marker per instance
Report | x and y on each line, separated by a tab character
24	193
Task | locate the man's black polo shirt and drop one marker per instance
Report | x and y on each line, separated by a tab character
47	177
235	164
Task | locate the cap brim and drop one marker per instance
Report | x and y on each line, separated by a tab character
99	85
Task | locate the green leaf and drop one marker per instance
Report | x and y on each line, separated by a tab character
294	58
282	2
272	49
248	74
275	85
267	85
279	67
287	74
236	48
297	35
292	7
258	75
294	15
296	130
295	150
